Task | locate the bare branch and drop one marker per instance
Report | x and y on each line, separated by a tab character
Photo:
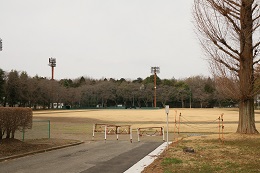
225	12
256	27
227	65
256	62
256	45
232	2
233	5
257	17
227	52
230	48
254	7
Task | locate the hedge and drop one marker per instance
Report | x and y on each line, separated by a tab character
13	119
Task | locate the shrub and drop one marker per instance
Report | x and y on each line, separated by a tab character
14	118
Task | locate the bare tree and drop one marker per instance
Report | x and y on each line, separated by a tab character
165	93
229	33
148	94
106	90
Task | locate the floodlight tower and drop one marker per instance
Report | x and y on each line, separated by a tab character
52	63
155	70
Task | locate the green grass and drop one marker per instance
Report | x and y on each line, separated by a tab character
169	161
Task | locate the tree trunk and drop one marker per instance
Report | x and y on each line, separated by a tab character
8	134
139	103
13	132
1	133
246	72
246	122
182	103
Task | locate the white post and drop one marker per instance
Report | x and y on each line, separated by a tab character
117	129
138	138
105	133
167	120
93	132
163	133
131	135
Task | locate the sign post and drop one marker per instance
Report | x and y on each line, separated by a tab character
167	121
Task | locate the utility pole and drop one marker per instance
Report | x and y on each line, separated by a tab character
155	70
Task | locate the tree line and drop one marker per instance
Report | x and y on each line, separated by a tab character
19	89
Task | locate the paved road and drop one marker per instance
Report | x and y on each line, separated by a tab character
92	157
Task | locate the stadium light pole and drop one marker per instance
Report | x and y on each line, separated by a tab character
155	70
52	64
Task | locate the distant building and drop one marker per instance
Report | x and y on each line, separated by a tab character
58	105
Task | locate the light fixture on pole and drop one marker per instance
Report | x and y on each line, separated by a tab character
155	70
52	63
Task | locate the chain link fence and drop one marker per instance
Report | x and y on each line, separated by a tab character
40	129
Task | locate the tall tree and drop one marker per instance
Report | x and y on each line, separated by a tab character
13	88
182	92
106	90
199	90
24	89
227	31
165	93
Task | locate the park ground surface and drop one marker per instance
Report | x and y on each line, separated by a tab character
198	128
238	154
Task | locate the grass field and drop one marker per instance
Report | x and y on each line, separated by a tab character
78	124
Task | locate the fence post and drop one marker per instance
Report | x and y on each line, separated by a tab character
116	131
138	135
23	134
222	128
175	125
179	126
49	126
219	129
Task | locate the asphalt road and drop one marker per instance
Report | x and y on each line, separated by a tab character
92	157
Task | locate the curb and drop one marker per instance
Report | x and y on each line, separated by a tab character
39	151
147	160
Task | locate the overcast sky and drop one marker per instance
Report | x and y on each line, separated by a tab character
100	38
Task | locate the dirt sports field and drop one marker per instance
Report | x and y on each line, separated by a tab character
78	124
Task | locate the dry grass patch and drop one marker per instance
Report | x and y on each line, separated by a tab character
239	153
